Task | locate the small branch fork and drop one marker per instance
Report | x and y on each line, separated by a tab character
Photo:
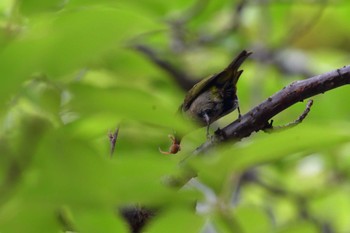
271	129
258	118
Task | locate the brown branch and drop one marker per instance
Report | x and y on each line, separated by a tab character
182	78
257	118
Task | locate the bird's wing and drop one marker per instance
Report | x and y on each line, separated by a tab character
196	90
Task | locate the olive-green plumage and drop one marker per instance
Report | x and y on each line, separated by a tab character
214	96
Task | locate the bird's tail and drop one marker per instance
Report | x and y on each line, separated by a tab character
236	63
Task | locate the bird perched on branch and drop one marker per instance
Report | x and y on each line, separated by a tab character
211	98
215	96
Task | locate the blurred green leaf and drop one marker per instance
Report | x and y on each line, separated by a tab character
126	103
59	44
99	220
62	164
19	215
306	138
322	206
246	216
37	6
176	221
299	227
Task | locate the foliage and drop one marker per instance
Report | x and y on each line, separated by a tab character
70	74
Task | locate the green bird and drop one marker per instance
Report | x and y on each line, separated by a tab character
215	96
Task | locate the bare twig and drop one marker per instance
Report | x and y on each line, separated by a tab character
270	128
181	77
257	118
113	140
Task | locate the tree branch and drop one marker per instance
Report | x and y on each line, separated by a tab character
257	118
183	79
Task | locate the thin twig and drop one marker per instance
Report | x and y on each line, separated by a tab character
180	76
271	128
113	140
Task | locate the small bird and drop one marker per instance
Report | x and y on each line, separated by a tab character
210	99
215	96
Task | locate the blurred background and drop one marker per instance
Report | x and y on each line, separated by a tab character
72	71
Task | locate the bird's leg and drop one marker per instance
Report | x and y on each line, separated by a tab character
238	109
207	120
239	112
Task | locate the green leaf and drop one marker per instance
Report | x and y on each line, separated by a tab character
68	171
126	103
247	215
20	215
176	221
268	148
299	227
98	220
322	206
29	7
61	43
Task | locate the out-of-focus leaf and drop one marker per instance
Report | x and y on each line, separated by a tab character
323	204
246	216
67	171
126	103
58	44
176	221
225	224
159	8
98	220
18	215
304	138
299	227
81	36
114	184
36	6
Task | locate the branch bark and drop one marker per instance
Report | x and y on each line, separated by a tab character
258	118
